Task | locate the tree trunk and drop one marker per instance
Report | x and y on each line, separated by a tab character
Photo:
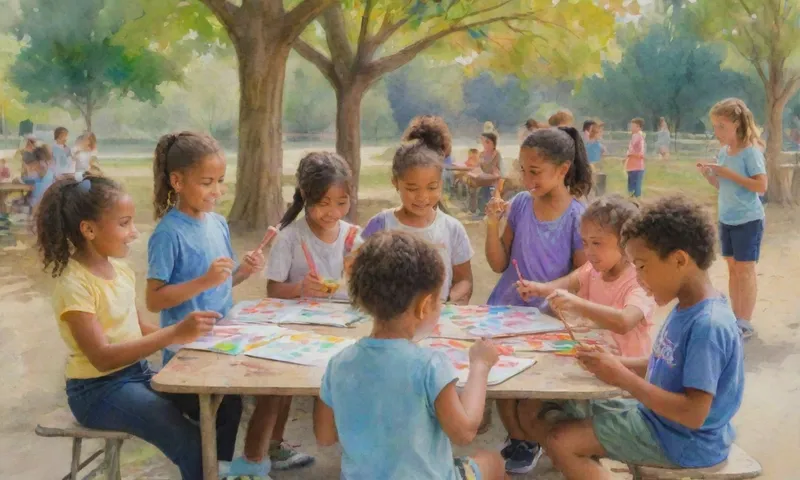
262	69
779	190
348	136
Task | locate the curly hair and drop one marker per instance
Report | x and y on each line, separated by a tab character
610	213
390	270
63	207
561	145
674	223
177	152
429	142
317	172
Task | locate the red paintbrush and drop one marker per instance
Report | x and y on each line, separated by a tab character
516	267
312	267
272	232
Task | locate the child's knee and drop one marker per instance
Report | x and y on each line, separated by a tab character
557	443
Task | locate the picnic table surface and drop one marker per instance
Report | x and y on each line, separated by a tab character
15	187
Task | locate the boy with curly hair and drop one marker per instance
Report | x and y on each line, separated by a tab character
686	393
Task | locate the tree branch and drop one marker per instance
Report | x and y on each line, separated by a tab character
365	18
225	12
791	87
297	19
336	37
323	63
387	30
485	10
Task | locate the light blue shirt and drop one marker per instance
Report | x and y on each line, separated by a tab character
382	393
594	151
62	159
698	347
40	185
738	205
181	249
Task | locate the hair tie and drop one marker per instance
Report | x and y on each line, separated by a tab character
84	185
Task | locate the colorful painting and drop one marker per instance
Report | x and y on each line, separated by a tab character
298	312
236	339
458	353
559	343
303	348
489	321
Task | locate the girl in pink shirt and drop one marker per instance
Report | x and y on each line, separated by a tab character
604	290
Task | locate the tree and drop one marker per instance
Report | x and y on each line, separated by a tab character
765	34
69	58
359	41
505	104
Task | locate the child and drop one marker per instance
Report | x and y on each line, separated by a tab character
740	176
191	261
489	175
687	392
562	118
542	235
108	376
663	138
62	156
594	149
417	176
85	151
604	289
392	404
5	172
634	160
40	173
587	128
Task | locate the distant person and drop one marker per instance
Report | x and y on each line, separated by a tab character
490	174
594	148
529	127
5	172
62	155
662	139
634	159
587	127
40	173
29	143
562	118
85	154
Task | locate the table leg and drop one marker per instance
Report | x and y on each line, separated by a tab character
209	404
3	206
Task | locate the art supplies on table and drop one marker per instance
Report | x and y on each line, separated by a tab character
458	353
295	312
236	339
489	321
302	348
560	343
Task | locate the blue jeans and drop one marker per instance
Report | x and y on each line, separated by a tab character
125	402
635	180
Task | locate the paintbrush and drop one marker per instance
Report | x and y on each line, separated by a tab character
569	329
516	267
312	267
272	232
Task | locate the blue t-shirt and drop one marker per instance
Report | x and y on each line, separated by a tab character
181	249
594	151
698	347
40	185
738	205
382	393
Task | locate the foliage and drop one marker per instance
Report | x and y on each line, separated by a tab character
377	120
309	107
505	104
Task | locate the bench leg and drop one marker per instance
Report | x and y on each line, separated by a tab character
208	432
112	459
76	459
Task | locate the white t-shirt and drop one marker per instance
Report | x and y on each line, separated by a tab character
83	160
446	233
287	262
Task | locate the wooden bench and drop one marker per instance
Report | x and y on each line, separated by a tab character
61	423
739	465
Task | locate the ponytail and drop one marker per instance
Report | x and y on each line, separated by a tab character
579	175
561	145
162	188
294	209
316	173
737	112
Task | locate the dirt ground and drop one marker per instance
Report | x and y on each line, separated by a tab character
768	423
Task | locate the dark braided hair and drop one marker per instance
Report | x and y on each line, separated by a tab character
390	270
317	172
63	207
177	152
559	146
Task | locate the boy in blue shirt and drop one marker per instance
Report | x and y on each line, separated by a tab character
687	392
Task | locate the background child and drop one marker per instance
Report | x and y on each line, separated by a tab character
543	236
108	378
634	159
417	176
687	392
604	289
5	172
740	176
562	118
62	156
392	404
587	128
488	176
40	173
594	149
663	138
85	151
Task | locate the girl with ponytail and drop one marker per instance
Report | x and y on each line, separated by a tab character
417	176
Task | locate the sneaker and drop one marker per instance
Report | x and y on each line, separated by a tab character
524	457
508	447
284	457
241	467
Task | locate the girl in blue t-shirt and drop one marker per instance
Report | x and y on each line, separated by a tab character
392	404
191	263
740	176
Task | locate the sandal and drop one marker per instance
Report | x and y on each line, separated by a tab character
746	329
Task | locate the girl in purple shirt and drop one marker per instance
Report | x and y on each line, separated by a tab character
543	236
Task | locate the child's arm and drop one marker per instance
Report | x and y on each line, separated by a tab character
756	183
636	365
324	424
253	262
497	249
460	257
609	318
529	289
104	356
160	296
461	290
461	416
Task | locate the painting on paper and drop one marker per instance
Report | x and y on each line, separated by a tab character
458	353
236	339
559	343
489	321
299	312
303	348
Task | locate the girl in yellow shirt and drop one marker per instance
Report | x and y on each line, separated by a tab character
84	228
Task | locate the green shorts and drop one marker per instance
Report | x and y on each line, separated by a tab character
620	428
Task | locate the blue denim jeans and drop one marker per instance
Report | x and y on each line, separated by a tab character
635	180
125	402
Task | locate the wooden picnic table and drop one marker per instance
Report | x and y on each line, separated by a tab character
212	375
8	188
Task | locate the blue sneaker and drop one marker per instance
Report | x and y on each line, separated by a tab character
241	467
286	457
521	457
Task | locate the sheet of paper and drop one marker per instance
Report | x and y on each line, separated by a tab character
484	321
559	343
303	348
298	312
458	353
236	339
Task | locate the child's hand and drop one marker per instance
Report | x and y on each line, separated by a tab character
563	301
312	286
495	209
348	264
603	365
253	262
718	170
219	271
485	352
528	289
195	325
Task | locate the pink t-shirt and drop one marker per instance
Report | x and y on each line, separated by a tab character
623	292
635	156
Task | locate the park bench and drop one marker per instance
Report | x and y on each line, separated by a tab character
738	466
61	423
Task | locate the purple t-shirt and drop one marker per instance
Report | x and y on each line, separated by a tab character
543	250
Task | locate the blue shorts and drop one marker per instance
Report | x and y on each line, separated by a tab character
742	242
